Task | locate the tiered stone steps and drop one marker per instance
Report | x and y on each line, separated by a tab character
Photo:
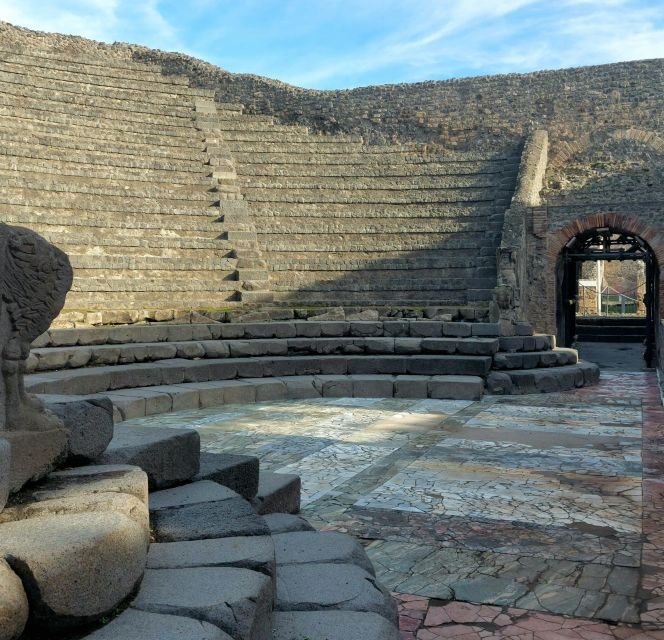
338	220
160	368
103	158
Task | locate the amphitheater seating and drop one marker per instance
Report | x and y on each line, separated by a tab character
103	158
149	369
383	225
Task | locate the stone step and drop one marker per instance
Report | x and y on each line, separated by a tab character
395	169
308	266
224	281
368	155
112	66
66	170
543	380
69	84
371	183
72	220
535	359
373	196
331	625
203	189
237	472
168	456
38	113
277	135
127	114
225	124
374	210
72	188
74	357
365	282
300	329
132	233
61	71
100	202
178	370
44	152
14	140
134	242
91	301
72	95
375	225
277	493
21	122
350	242
437	297
139	402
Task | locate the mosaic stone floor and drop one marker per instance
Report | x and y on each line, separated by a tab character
544	511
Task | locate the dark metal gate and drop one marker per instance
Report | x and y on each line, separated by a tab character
603	244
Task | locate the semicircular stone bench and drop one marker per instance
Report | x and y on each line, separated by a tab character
150	369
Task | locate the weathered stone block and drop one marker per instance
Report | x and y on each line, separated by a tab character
456	387
238	601
277	493
324	587
168	456
89	427
286	523
331	625
237	472
411	386
246	552
458	329
133	624
373	386
5	469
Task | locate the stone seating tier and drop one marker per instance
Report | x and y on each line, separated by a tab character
149	369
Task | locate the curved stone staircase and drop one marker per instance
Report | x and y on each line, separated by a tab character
224	560
150	369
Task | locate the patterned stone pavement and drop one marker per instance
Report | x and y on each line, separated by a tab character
532	517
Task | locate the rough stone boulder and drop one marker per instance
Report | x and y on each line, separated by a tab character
13	604
76	567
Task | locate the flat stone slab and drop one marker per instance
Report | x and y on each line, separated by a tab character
286	522
323	547
236	472
93	479
331	625
192	493
13	604
203	520
133	624
75	567
278	493
346	587
168	456
247	552
238	601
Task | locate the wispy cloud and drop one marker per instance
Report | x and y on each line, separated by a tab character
344	43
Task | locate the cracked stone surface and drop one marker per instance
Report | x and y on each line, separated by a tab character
542	515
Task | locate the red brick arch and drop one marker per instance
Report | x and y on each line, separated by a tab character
653	236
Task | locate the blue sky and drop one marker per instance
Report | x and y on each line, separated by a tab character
334	44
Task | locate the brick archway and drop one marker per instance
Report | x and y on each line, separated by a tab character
556	240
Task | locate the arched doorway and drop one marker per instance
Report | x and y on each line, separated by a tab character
601	245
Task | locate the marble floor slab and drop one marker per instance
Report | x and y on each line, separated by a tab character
481	514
